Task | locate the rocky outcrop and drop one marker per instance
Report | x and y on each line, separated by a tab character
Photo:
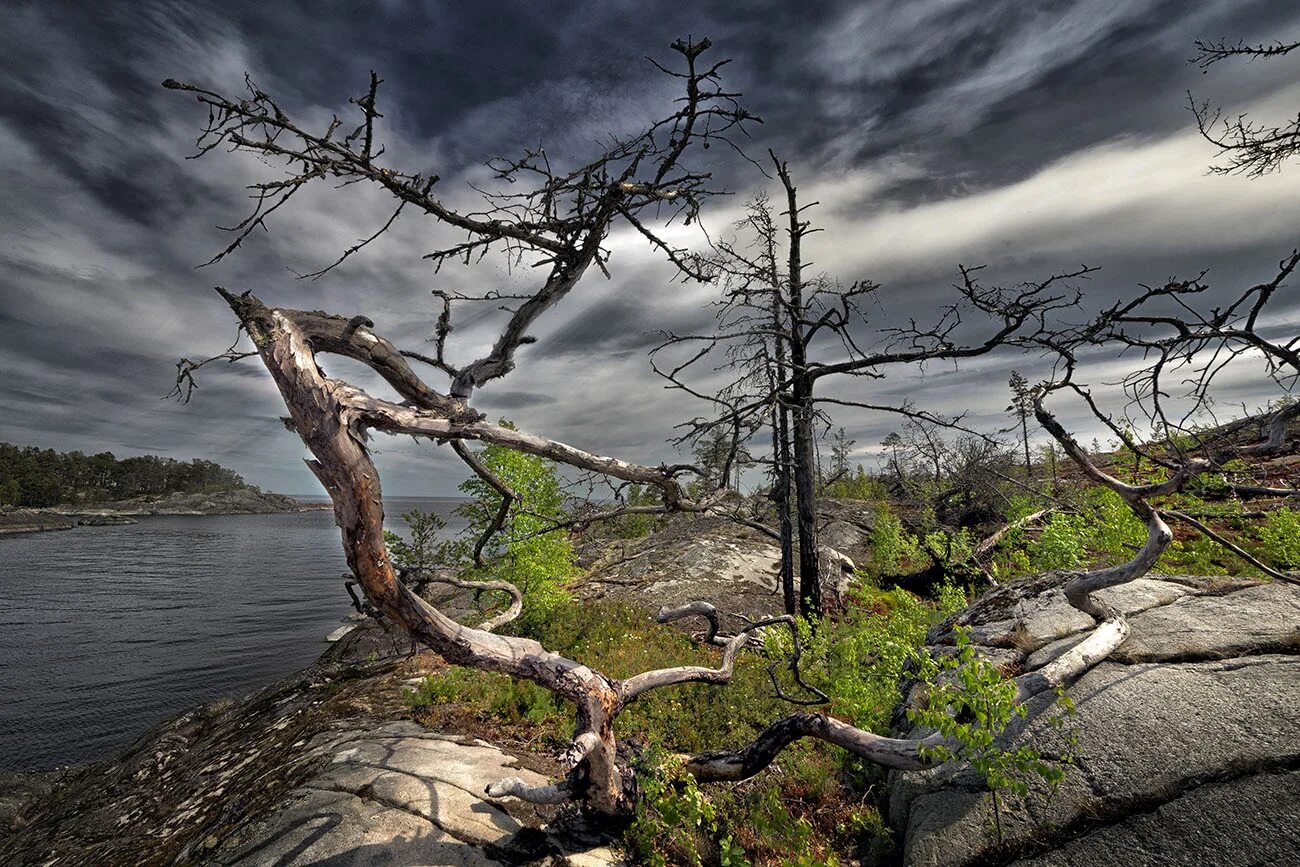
33	521
41	520
235	502
241	501
1188	748
398	794
734	567
713	559
320	768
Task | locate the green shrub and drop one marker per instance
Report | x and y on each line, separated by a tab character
858	486
858	659
539	563
1063	543
950	547
1280	538
1116	530
893	548
802	816
971	703
675	819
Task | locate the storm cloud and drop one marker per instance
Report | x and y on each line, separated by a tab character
933	132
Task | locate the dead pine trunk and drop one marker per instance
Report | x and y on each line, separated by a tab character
805	458
805	484
330	416
781	488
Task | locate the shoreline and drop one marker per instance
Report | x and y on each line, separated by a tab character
67	516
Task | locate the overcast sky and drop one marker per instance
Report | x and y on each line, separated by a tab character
1032	137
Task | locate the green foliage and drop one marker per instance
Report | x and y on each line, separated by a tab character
789	820
1063	543
425	549
1195	556
858	659
891	545
505	698
43	477
970	704
675	819
1116	530
950	547
802	816
1280	537
1104	530
539	563
857	486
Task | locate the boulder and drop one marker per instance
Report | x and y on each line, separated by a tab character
836	572
1187	746
734	567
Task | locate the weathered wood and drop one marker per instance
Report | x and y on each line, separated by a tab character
803	452
332	423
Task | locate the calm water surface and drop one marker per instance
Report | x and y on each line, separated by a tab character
105	631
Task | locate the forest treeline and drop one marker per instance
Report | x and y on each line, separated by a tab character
31	476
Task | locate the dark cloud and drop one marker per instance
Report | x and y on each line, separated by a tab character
1028	136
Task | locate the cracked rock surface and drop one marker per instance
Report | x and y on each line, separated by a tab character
395	794
1188	746
321	768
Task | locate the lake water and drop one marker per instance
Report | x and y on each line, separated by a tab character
106	631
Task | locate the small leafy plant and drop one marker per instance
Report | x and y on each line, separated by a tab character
970	703
675	819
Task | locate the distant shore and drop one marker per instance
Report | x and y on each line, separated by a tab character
232	502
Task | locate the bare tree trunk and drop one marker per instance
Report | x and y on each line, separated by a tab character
781	454
805	459
781	435
805	484
329	416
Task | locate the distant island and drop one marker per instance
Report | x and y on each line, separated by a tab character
41	489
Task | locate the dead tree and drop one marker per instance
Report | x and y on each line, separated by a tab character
815	316
1247	147
1181	353
336	420
751	318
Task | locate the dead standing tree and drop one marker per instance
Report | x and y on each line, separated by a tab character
751	318
796	317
